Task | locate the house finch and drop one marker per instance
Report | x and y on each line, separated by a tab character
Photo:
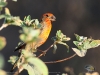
44	33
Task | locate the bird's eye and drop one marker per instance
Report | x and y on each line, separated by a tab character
52	17
47	16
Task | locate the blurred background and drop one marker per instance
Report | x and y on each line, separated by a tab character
73	16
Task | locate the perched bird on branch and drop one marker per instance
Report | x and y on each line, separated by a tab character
45	29
44	32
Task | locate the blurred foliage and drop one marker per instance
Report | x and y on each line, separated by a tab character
9	19
13	59
14	0
37	65
1	61
28	28
2	72
28	60
28	22
2	42
3	3
84	43
89	68
28	36
60	38
32	64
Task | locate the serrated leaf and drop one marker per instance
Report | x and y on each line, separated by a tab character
79	38
80	53
2	42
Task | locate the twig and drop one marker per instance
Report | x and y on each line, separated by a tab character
44	52
61	59
17	72
3	26
57	61
40	50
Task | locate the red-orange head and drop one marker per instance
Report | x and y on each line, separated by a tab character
49	16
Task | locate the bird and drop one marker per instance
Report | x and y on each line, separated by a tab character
46	26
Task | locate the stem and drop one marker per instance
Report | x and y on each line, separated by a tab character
3	26
44	52
61	59
57	61
17	72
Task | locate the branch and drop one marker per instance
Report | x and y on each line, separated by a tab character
44	52
61	59
3	26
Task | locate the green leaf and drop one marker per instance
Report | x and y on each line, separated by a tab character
61	37
78	44
58	34
40	66
95	43
1	61
64	45
31	70
29	34
84	43
2	42
7	12
2	16
35	65
80	38
13	59
80	53
36	21
28	22
3	3
77	37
